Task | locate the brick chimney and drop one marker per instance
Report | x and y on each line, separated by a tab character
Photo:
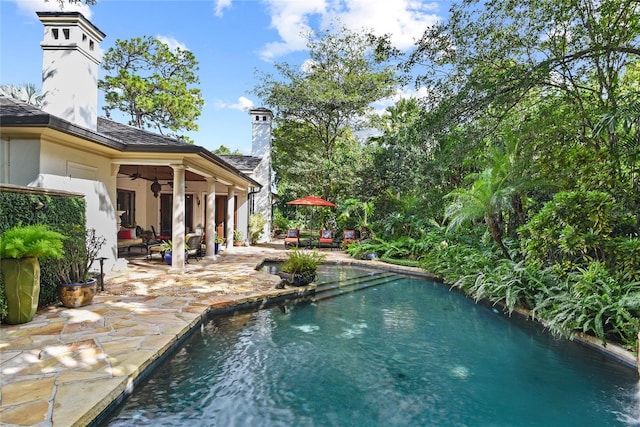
70	59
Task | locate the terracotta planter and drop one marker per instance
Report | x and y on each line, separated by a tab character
74	295
237	243
21	288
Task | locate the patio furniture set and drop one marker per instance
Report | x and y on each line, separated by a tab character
326	238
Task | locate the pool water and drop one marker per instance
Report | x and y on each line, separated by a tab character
406	353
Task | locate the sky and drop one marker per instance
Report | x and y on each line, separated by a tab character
229	38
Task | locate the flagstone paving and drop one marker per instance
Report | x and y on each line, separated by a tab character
66	366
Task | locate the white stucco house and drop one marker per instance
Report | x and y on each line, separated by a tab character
128	176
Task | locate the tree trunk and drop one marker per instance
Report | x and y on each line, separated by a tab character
496	233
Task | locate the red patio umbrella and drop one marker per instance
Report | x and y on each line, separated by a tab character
312	201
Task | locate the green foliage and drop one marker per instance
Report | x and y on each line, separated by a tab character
592	301
27	92
153	84
37	241
624	258
304	263
237	235
319	105
256	226
226	151
19	208
573	229
280	222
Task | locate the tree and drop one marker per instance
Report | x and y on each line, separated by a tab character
328	97
491	56
62	2
223	150
153	85
26	92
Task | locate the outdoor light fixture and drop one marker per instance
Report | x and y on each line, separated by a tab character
155	187
198	201
38	206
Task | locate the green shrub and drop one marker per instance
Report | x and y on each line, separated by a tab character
256	226
573	229
593	301
18	207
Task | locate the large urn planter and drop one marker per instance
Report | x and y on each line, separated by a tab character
74	295
21	247
21	288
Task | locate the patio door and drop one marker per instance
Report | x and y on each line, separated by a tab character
166	214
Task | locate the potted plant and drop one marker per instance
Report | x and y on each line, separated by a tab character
166	246
218	241
77	284
167	249
300	268
20	249
237	238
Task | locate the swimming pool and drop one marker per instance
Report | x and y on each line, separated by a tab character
404	352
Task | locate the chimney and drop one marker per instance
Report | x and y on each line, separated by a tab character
70	59
261	132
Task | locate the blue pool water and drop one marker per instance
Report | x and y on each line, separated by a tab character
406	353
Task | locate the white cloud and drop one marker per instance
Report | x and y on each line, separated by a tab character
404	20
291	20
221	5
30	7
242	104
171	42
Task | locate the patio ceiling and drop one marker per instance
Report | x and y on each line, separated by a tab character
150	172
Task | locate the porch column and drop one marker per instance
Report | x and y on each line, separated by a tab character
177	237
211	218
230	223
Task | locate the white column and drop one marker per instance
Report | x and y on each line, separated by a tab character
178	227
230	209
242	214
211	218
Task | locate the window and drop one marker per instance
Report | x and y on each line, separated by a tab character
127	203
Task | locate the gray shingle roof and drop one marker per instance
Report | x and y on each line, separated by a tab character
243	163
138	139
113	134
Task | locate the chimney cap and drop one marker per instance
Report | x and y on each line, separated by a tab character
69	18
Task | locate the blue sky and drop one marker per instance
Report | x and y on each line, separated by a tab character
229	38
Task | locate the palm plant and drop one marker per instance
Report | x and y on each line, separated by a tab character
487	198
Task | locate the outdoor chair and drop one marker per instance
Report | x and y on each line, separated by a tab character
349	236
194	246
326	238
153	242
292	238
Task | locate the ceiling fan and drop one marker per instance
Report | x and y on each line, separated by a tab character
135	175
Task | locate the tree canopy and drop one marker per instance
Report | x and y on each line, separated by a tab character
322	103
152	84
